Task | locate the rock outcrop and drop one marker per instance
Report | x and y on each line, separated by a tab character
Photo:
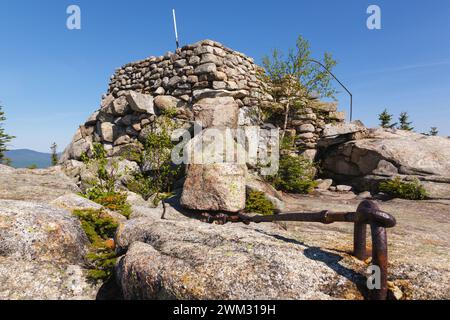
34	185
42	246
42	252
376	155
215	178
38	232
182	258
188	259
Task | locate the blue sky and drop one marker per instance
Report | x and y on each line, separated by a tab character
52	78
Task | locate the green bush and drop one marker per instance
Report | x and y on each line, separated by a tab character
288	142
258	203
295	175
102	262
103	187
105	180
157	151
169	112
142	184
99	228
96	224
115	201
404	190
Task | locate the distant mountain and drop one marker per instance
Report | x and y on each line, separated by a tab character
23	158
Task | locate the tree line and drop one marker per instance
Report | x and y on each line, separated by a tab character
403	123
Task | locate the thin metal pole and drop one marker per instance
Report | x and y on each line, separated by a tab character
175	27
351	107
342	85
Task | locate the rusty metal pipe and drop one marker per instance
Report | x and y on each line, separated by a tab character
380	259
325	217
368	212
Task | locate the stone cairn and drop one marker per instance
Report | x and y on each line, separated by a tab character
204	81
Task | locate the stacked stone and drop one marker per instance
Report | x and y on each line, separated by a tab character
139	91
119	125
309	123
204	69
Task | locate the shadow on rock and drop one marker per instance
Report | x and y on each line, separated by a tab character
109	291
332	260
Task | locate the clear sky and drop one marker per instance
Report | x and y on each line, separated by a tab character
52	78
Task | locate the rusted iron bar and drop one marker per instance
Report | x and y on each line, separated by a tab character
325	217
380	259
368	213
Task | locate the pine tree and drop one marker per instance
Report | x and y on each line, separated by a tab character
404	123
385	119
434	131
4	139
54	155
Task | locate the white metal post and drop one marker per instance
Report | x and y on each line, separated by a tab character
175	27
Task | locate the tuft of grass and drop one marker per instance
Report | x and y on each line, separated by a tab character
258	203
170	112
404	190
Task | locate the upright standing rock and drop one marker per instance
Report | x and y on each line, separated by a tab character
215	177
215	187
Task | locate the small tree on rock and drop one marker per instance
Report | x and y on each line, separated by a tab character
4	139
434	131
293	79
385	120
54	155
404	123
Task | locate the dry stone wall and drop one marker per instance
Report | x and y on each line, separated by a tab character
192	72
308	125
